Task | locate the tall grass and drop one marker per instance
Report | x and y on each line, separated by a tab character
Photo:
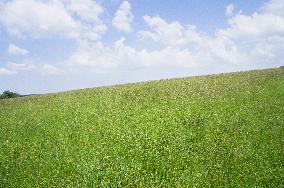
222	130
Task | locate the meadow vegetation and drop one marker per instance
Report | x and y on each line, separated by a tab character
223	130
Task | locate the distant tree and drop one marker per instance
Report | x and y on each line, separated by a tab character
9	94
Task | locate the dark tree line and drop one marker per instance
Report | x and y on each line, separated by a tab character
9	94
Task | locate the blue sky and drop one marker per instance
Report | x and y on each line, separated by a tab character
49	46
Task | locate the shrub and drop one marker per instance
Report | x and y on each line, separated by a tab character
9	94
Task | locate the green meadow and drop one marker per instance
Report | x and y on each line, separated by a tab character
224	130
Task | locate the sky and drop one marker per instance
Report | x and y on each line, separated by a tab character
58	45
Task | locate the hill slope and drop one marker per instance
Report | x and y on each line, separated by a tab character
218	130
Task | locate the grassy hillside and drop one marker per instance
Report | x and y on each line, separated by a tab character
219	130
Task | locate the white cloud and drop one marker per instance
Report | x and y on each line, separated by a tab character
15	68
94	55
275	7
169	33
88	10
249	41
35	18
240	26
12	68
268	51
268	21
123	57
176	35
21	66
259	37
49	69
123	18
255	26
15	50
5	72
230	10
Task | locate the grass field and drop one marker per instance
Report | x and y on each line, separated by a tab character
222	130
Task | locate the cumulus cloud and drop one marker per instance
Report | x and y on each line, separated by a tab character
250	41
66	18
5	72
275	7
230	10
88	10
15	50
168	33
20	66
254	26
187	38
123	18
172	33
36	18
247	39
12	68
124	57
49	69
258	37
